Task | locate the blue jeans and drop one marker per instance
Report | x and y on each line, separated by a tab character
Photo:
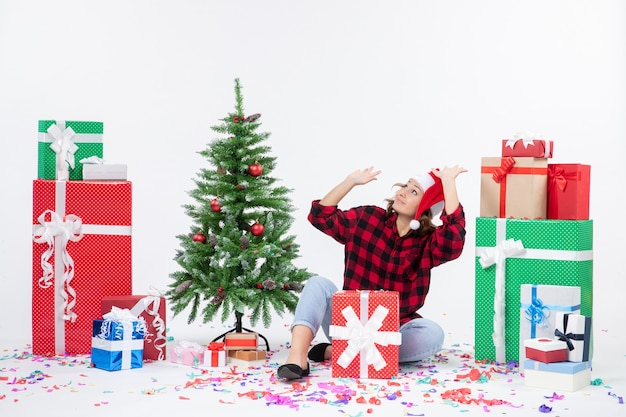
421	338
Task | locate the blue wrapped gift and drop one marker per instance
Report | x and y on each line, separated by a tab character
117	344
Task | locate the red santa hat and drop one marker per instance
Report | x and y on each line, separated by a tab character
432	198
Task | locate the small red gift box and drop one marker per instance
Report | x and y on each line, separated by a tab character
546	350
365	336
535	148
152	309
82	251
215	355
568	191
244	340
513	187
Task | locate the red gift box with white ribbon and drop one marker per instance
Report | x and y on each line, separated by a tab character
82	251
151	308
365	334
527	146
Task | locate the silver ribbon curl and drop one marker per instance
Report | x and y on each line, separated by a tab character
56	233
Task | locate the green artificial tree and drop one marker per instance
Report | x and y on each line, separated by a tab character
239	255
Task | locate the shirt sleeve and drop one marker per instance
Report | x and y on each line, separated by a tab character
448	240
332	221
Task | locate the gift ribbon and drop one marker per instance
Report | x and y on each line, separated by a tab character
122	339
56	233
46	232
151	304
63	146
537	312
569	337
499	176
363	335
216	349
528	253
559	178
497	256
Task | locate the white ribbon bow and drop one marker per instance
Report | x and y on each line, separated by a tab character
56	233
363	338
526	138
497	256
63	146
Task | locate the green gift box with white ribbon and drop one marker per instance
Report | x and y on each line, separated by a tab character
63	144
512	252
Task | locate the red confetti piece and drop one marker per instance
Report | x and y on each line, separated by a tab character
180	397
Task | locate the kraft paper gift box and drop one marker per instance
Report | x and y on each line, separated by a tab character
546	350
512	252
540	306
187	353
151	308
104	172
513	187
241	340
66	143
215	355
365	334
247	355
569	191
576	331
82	252
527	147
117	341
559	376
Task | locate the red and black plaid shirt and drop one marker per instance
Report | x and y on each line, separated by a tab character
377	257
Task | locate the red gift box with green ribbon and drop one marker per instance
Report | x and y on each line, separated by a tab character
568	191
82	252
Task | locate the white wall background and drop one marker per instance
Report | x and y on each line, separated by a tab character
401	85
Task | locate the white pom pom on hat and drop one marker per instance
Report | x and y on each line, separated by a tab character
432	198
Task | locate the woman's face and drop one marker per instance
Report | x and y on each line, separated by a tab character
407	198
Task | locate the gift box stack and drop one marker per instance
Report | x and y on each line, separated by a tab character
243	346
533	232
82	244
365	334
561	361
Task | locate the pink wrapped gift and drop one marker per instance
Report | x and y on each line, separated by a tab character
187	353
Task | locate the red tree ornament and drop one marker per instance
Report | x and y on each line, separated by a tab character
255	169
257	229
199	237
215	205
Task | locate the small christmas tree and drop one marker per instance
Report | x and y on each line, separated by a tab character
239	254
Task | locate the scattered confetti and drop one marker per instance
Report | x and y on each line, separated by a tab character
545	409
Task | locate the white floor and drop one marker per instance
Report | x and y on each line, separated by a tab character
68	387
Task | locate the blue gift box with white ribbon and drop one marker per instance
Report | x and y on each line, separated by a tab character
117	344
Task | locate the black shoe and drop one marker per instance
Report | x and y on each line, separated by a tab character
293	371
316	354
